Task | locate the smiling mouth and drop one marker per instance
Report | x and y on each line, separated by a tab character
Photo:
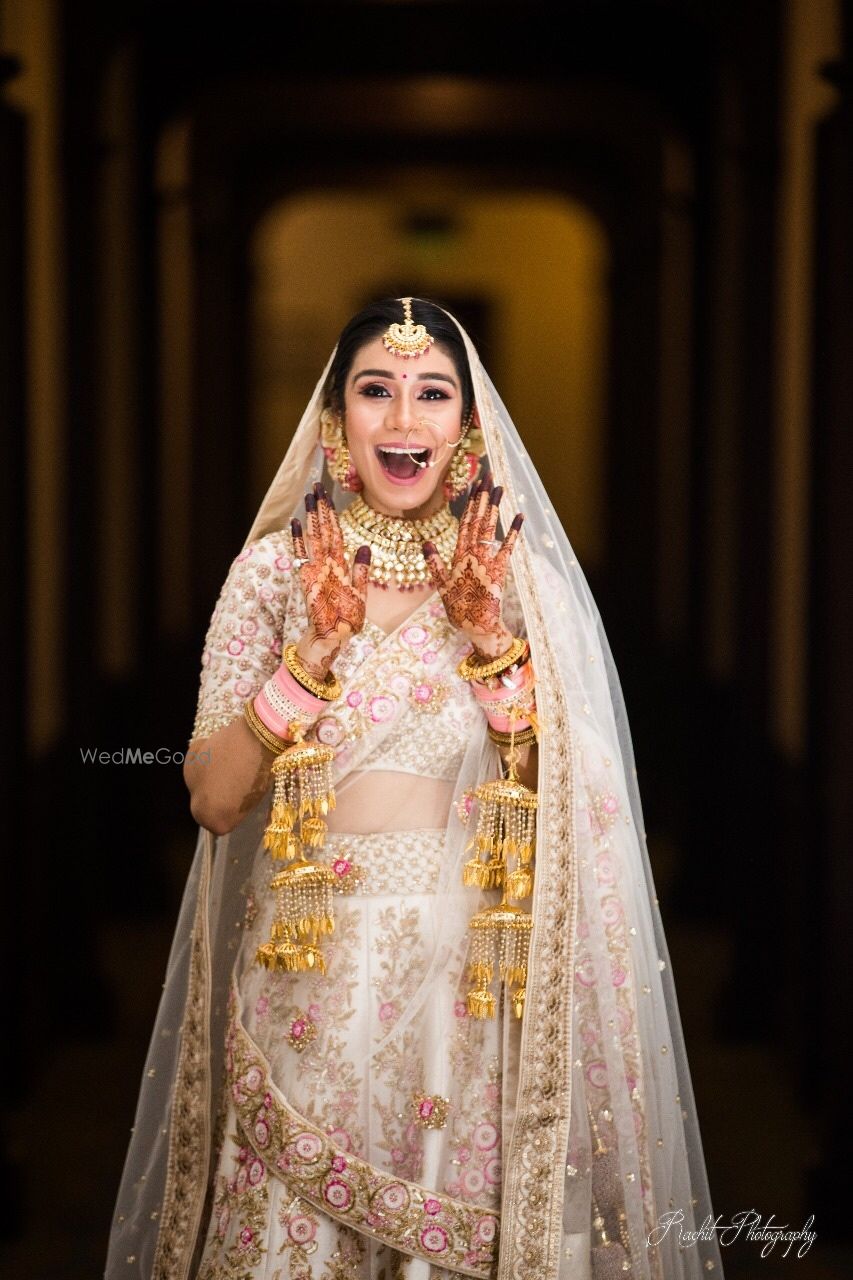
401	463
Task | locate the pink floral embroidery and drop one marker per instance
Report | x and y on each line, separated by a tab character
329	731
492	1171
428	657
394	1197
355	698
253	1079
301	1032
301	1229
262	1006
243	687
434	1238
485	1136
381	708
596	1074
337	1194
307	1146
235	646
432	1206
486	1230
339	1164
282	562
423	692
414	635
611	910
262	1133
473	1181
387	1011
247	1235
460	1009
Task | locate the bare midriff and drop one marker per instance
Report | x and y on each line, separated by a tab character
384	800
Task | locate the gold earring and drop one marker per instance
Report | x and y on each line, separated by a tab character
463	468
334	444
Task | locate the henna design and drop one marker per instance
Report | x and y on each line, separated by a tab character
335	596
471	587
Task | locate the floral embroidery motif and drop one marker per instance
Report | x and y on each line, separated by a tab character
301	1032
239	1218
348	877
429	696
430	1110
464	806
401	1214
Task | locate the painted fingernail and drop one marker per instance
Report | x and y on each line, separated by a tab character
362	556
296	528
497	494
429	548
517	521
310	502
318	489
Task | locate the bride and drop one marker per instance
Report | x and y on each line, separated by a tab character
418	1019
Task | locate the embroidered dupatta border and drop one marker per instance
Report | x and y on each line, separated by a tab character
534	1166
189	1122
411	1219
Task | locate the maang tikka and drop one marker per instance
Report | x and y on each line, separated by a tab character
408	339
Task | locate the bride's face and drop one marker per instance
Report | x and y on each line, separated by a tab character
399	412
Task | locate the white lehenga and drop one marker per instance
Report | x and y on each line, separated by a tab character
317	1167
316	1085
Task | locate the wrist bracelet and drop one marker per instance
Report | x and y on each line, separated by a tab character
474	668
328	689
521	736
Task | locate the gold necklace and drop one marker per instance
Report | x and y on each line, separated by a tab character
396	558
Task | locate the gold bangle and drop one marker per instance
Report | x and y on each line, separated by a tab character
328	689
474	668
505	739
265	736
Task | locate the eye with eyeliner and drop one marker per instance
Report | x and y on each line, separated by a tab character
428	393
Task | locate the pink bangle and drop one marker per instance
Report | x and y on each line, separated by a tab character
505	725
284	706
274	722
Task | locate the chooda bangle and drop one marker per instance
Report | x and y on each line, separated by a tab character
474	668
328	689
264	735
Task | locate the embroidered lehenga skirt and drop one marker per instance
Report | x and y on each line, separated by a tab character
358	1140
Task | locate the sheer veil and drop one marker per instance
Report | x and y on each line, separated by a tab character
599	1054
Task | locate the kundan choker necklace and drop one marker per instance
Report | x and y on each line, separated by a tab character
396	558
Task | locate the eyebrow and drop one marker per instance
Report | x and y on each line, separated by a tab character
421	377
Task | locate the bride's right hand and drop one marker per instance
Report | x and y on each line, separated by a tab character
335	597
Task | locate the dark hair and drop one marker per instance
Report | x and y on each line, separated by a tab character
372	321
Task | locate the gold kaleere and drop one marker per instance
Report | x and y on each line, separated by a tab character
500	935
302	797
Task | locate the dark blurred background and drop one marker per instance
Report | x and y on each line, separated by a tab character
644	212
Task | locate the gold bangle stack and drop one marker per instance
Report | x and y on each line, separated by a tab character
328	689
474	668
265	736
520	738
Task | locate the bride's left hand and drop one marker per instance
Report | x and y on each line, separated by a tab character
471	587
